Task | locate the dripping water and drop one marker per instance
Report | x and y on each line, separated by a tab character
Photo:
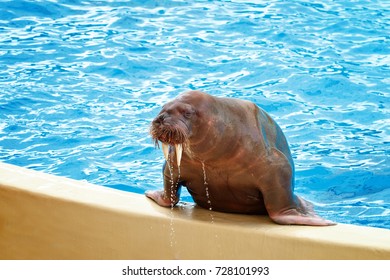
172	193
206	185
172	196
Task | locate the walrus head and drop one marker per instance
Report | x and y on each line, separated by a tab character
172	127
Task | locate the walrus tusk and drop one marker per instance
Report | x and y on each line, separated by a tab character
179	152
165	148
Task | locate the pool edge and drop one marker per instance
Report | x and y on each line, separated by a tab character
44	216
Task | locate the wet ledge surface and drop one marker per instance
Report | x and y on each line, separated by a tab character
48	217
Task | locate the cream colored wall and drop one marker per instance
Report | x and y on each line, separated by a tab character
47	217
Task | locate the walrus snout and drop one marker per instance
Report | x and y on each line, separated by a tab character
170	132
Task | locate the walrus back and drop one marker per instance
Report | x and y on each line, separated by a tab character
275	138
268	130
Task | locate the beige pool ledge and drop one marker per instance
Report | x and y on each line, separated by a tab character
48	217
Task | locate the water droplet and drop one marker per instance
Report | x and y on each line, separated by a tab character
206	186
172	198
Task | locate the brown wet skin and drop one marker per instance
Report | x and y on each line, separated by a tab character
244	153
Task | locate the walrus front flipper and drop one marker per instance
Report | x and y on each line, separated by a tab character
170	195
293	217
161	198
283	206
302	215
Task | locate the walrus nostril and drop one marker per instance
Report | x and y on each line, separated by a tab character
159	119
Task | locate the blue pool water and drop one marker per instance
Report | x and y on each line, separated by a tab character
80	82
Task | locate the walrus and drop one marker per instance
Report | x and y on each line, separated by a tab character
232	157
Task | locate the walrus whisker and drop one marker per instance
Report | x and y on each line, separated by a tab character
169	134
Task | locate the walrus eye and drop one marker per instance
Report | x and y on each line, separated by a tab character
187	114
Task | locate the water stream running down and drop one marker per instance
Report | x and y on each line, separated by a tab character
173	195
206	186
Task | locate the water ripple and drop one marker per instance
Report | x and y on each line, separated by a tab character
81	81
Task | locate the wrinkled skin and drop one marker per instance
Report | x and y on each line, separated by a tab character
243	152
